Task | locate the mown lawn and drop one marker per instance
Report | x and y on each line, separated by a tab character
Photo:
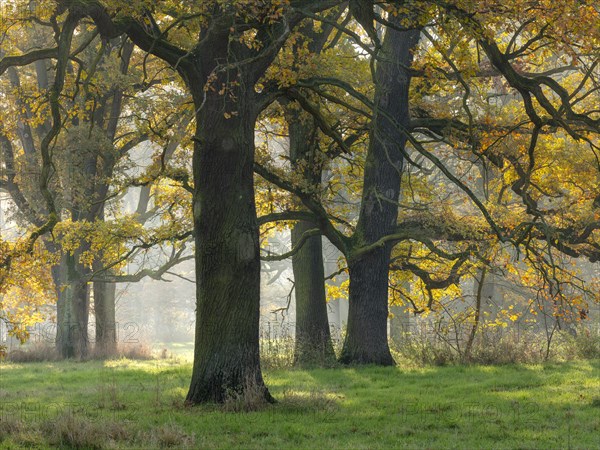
139	404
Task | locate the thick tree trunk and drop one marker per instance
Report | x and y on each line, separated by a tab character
106	327
313	338
226	354
73	310
366	335
221	73
366	339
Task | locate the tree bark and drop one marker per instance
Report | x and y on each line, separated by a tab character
226	353
313	345
106	327
366	339
366	335
72	311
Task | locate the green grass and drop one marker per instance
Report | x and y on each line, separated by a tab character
134	404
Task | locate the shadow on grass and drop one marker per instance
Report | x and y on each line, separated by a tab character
513	406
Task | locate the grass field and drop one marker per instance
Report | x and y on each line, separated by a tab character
139	404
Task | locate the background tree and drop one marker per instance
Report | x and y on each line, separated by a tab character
90	148
465	122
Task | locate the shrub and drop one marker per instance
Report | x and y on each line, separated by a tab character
34	352
496	346
139	351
